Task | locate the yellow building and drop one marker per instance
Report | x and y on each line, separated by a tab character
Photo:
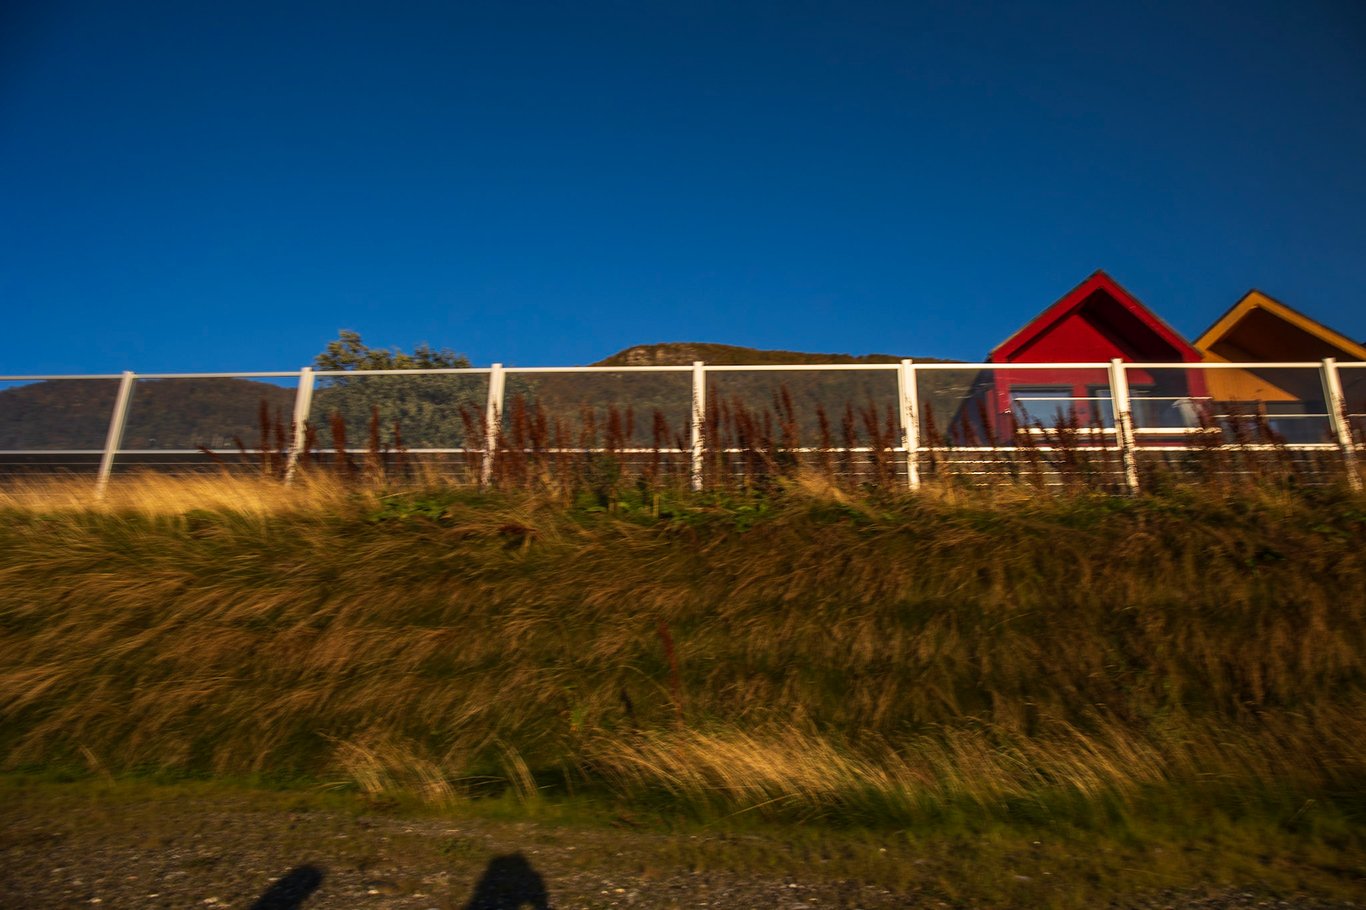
1259	328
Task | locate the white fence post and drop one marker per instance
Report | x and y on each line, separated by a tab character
1124	423
493	423
303	403
1337	419
113	440
908	391
699	416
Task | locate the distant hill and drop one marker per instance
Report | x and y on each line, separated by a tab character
163	414
810	393
678	353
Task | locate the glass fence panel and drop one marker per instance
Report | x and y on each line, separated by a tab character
207	423
598	410
56	413
1256	405
600	432
1047	426
1013	405
1165	401
390	413
844	425
54	426
1353	380
804	408
212	413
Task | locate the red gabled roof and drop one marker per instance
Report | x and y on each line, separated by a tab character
1073	301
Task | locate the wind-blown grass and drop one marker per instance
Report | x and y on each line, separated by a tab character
878	659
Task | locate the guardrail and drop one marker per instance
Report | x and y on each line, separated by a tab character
910	420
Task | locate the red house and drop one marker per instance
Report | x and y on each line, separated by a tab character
1095	322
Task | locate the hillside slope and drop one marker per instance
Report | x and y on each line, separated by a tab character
676	353
163	413
880	660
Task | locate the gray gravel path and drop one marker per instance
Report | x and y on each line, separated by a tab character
215	855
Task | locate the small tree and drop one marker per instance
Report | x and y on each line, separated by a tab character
349	352
409	411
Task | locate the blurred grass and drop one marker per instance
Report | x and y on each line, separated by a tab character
954	659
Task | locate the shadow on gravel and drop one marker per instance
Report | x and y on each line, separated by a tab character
290	892
509	883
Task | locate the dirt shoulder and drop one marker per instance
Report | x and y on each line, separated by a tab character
92	846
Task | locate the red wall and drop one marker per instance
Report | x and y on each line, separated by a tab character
1100	329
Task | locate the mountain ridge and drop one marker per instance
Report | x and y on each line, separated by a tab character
682	353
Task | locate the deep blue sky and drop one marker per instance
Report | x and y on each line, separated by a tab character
225	185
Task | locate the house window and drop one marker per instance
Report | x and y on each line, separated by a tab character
1103	405
1044	404
1148	410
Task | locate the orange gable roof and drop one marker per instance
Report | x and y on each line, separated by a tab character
1261	328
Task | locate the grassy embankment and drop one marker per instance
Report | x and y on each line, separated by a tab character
952	663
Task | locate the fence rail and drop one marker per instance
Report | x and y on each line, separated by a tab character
900	422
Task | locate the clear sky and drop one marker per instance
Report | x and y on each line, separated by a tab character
224	185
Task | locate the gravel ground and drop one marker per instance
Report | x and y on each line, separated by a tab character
215	852
224	859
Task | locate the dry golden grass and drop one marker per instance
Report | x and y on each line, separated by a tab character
880	657
807	769
164	494
979	766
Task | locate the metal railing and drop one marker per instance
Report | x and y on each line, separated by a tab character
939	417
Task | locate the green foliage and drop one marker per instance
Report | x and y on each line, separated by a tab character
349	352
394	412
